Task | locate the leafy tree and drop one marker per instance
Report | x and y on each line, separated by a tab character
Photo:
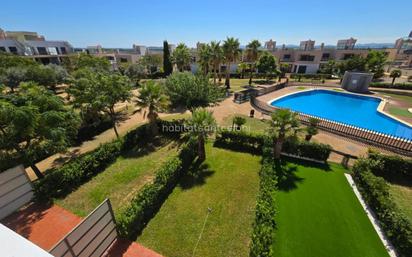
181	57
47	75
135	72
190	91
239	121
13	76
331	67
267	65
84	60
35	121
200	126
376	61
152	98
284	126
152	62
205	58
355	63
167	63
242	67
252	51
396	73
216	55
312	129
231	52
99	92
8	60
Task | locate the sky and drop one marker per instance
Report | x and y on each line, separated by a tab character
123	23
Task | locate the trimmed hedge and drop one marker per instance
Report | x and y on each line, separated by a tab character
265	212
393	167
240	140
150	198
307	149
375	191
252	143
406	86
61	181
310	76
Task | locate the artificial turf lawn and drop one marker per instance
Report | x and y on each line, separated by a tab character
320	216
402	195
228	182
121	180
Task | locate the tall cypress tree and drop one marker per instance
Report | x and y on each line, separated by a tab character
167	64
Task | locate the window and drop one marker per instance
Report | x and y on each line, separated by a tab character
325	56
42	50
348	56
286	57
123	59
63	50
110	58
52	50
13	49
2	49
307	58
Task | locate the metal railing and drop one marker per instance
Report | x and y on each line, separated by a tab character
388	142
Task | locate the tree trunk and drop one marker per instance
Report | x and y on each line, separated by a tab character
36	171
278	147
153	128
308	137
251	76
393	80
214	75
227	81
201	149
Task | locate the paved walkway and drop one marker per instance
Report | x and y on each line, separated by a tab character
126	248
43	225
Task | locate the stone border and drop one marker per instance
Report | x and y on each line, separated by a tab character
388	245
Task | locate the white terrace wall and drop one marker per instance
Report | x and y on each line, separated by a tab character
15	190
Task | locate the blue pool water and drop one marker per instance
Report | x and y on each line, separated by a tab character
355	110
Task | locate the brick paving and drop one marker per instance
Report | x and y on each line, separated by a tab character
44	225
126	248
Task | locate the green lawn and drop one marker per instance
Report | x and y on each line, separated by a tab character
320	216
252	124
403	112
121	180
402	195
228	183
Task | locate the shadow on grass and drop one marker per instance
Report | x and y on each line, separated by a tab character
196	175
147	146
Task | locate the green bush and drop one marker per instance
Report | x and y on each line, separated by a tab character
406	86
310	76
392	167
240	140
150	198
375	191
265	212
307	149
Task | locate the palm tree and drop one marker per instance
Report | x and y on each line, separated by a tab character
181	56
231	52
312	129
284	125
216	56
395	74
202	124
252	51
242	67
151	96
205	58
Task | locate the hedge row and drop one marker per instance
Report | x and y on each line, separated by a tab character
240	140
151	197
307	149
310	76
392	166
61	181
407	86
375	191
264	224
252	142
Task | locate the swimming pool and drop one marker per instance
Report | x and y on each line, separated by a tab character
351	109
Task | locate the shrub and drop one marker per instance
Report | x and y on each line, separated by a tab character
307	149
149	199
406	86
265	212
310	76
375	191
240	140
393	167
